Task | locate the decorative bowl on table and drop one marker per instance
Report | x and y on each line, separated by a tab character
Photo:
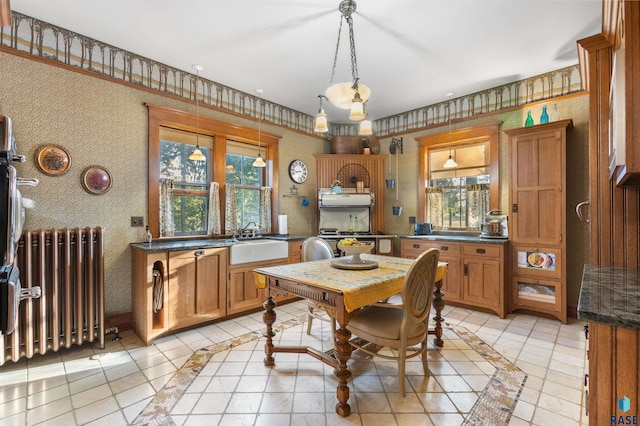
355	249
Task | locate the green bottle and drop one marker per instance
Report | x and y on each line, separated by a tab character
529	120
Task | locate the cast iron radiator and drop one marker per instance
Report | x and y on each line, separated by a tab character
68	265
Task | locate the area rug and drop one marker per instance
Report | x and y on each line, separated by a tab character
494	406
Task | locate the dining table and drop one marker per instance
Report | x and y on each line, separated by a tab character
341	291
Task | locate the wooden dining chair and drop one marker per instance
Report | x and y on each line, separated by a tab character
315	248
402	325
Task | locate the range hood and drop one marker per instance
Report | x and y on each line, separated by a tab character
345	199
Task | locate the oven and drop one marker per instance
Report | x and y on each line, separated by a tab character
12	214
348	214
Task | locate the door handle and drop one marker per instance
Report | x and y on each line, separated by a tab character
579	211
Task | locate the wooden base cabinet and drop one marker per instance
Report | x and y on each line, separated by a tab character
177	289
244	295
475	272
614	373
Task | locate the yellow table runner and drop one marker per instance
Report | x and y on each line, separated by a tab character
359	287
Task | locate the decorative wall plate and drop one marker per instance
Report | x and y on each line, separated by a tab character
96	180
53	160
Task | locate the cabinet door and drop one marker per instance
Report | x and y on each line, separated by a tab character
537	180
481	282
244	295
452	282
196	286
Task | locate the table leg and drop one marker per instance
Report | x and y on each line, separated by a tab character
438	304
342	354
269	317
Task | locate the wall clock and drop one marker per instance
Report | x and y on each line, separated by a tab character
298	171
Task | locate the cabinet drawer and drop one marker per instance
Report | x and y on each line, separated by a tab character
483	250
420	246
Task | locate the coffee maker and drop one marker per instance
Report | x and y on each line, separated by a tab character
495	225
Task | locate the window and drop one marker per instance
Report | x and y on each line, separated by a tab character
172	137
247	180
190	179
458	198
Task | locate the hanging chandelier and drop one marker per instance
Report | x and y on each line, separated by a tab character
347	95
197	154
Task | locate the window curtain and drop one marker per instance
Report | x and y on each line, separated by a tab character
213	221
230	219
435	202
265	209
166	208
477	204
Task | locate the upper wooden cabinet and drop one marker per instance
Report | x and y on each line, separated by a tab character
622	28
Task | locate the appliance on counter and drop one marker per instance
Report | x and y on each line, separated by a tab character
349	214
422	228
12	206
495	225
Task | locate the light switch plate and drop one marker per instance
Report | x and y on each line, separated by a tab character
137	221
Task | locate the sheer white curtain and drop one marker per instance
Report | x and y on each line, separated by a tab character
166	208
265	209
230	220
213	221
477	204
435	201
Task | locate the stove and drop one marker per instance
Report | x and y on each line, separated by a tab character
12	214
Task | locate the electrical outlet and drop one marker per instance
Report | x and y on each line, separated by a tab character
412	220
137	221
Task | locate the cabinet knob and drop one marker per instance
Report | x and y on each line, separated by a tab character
586	332
444	248
416	246
198	253
481	251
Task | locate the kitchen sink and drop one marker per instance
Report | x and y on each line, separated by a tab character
247	251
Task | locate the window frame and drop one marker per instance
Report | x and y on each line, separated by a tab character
220	131
490	132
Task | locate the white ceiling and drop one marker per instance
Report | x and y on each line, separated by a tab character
410	52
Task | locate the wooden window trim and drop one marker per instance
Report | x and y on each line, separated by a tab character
489	132
220	131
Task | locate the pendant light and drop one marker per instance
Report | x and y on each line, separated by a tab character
450	163
259	161
366	127
197	154
321	119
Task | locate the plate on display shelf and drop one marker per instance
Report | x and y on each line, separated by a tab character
348	263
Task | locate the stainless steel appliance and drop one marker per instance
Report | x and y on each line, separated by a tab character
422	228
349	214
12	207
495	225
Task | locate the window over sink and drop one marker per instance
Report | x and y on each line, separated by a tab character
172	138
457	198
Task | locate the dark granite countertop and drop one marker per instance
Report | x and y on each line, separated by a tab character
202	243
475	238
610	295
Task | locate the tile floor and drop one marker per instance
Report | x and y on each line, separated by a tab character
113	386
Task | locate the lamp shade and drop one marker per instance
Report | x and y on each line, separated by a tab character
365	127
259	162
450	163
357	111
321	122
197	155
341	94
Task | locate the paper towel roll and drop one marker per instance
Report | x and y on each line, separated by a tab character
282	224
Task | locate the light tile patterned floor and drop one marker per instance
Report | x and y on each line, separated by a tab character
113	386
